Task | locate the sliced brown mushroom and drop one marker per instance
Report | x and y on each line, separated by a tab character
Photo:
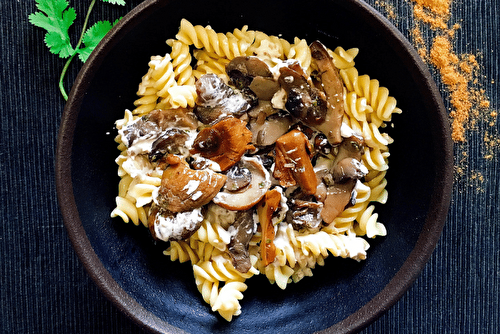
170	226
332	86
253	73
225	142
246	197
156	121
304	214
238	177
266	132
347	169
183	188
293	162
304	101
217	100
171	141
264	88
244	230
170	118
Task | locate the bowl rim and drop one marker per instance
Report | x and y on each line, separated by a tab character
391	293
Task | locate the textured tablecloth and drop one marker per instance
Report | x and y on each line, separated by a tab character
45	289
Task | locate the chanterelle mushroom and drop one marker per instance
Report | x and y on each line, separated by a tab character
347	169
293	163
183	188
225	142
245	197
265	210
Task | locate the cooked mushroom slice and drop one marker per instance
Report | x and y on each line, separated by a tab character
169	226
304	214
156	121
170	118
347	169
217	100
293	162
238	177
171	141
347	163
253	73
183	188
199	162
246	197
244	228
321	144
264	88
304	101
265	210
268	131
225	142
140	129
333	88
242	70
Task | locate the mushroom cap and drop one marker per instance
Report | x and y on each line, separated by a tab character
250	195
183	188
225	142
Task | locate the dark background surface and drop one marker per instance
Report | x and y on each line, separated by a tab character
44	287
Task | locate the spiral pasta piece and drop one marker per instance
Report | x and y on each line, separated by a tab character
300	51
224	45
227	302
378	97
342	58
209	63
181	62
213	234
181	251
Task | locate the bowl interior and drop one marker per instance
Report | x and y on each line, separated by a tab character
130	267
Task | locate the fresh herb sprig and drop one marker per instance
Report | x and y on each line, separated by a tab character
56	17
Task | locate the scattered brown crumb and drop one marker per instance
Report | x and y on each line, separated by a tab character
461	74
389	9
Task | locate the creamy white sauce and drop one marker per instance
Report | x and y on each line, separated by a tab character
172	227
191	186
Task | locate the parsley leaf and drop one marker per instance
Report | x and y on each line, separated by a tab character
56	18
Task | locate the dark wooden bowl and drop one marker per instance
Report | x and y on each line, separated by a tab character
342	296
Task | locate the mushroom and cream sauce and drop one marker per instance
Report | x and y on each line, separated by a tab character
267	144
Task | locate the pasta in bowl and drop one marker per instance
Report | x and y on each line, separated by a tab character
264	157
233	156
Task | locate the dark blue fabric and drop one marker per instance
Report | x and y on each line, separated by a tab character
44	287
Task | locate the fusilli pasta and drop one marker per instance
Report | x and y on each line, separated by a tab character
170	83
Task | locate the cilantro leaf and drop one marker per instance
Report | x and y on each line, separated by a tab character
116	2
55	17
92	37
